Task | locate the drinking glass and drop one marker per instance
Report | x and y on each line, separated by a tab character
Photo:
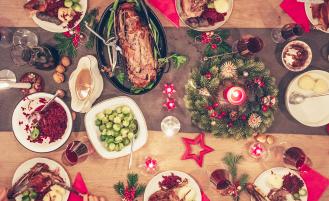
25	37
170	125
6	36
258	151
287	32
248	45
220	178
295	158
77	151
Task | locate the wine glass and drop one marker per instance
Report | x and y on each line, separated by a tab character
170	126
6	36
20	54
77	151
295	158
287	32
25	37
248	45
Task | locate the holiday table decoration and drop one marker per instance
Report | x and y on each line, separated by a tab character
80	186
132	191
210	84
199	140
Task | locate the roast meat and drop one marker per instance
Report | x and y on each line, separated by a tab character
193	8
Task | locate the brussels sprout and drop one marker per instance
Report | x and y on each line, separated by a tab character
26	198
98	122
104	132
130	135
76	1
77	7
125	123
118	139
102	127
111	117
121	146
105	120
103	138
109	125
33	195
111	146
34	134
116	127
129	117
109	139
100	115
124	131
110	132
116	148
119	110
126	141
26	193
132	127
125	110
68	3
108	111
117	120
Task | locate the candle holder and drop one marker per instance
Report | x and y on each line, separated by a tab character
170	126
150	165
258	150
235	95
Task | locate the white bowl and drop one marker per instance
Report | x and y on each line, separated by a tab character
22	135
94	133
307	62
27	165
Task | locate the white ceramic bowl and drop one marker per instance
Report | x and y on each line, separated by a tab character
22	135
153	184
94	133
51	27
27	165
307	62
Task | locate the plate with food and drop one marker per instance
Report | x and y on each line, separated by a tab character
57	15
40	179
204	15
296	55
50	131
314	111
172	186
317	14
141	41
281	183
113	125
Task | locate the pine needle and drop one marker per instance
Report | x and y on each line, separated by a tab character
119	188
232	161
132	180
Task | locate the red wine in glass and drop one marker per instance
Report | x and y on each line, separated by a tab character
76	152
220	178
294	157
248	46
287	32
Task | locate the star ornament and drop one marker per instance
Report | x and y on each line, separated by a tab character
199	140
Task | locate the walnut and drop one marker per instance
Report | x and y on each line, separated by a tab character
65	61
261	138
60	69
270	139
58	77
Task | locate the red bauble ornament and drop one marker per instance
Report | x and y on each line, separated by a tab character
214	114
230	124
74	35
169	104
264	108
215	105
224	113
219	116
169	89
243	117
214	46
199	140
209	108
259	81
208	75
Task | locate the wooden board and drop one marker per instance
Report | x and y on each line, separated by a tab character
100	174
246	14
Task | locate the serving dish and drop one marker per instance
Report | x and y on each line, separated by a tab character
94	132
22	126
315	21
312	112
119	78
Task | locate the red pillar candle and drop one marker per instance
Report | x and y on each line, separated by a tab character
235	95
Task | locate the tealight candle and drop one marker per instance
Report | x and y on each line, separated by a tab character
236	95
150	165
257	150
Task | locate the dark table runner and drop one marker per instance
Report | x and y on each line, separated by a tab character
151	103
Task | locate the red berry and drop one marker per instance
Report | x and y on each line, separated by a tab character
264	108
208	75
223	113
213	115
244	117
213	46
215	105
230	124
219	116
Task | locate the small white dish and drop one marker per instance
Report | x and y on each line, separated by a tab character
51	27
312	112
207	28
27	165
262	180
19	121
153	184
307	62
314	21
94	133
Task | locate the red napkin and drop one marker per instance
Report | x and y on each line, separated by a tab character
80	186
316	183
167	8
204	197
297	12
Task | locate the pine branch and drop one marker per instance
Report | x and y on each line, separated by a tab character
232	161
132	180
140	190
120	188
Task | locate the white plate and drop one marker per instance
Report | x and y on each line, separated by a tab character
22	135
309	15
312	112
208	28
94	133
48	26
27	165
153	185
262	184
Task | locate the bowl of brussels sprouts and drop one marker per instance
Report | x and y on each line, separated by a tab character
112	125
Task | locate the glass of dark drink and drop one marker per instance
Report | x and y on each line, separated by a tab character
295	158
287	32
248	45
220	178
77	151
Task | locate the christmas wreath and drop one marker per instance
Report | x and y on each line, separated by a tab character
210	111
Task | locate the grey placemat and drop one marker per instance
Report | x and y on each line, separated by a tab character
151	103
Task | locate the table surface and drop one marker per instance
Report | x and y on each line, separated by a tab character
246	14
100	175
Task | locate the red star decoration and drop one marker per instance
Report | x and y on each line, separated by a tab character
200	139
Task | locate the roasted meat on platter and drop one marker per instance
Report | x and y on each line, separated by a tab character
135	41
320	12
40	178
193	8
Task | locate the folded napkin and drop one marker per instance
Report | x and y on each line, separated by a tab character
297	12
80	186
316	183
204	196
167	8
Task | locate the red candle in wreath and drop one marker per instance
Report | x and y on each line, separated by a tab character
235	95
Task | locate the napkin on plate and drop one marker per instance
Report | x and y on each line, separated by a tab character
204	196
297	12
167	8
316	183
80	186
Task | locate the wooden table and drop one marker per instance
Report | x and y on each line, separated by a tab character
100	175
246	14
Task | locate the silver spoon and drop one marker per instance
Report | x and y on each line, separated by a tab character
297	98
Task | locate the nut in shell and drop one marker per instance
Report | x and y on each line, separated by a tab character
65	61
60	93
270	139
60	69
261	138
58	77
